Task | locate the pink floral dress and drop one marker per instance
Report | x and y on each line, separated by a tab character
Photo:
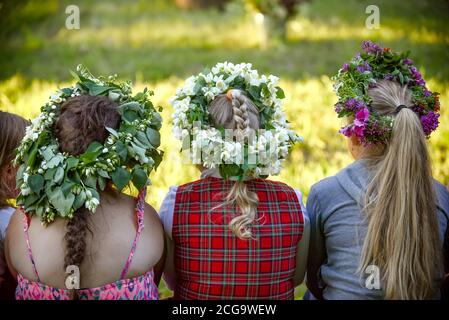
138	288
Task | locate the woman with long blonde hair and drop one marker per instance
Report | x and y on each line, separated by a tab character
378	225
233	234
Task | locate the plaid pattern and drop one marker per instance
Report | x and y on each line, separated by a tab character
212	263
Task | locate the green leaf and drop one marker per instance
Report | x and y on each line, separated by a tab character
154	137
254	91
156	121
67	188
62	204
94	147
230	170
139	178
49	174
130	106
103	174
92	152
129	116
137	150
59	175
79	200
121	150
32	156
91	181
72	163
96	89
280	93
19	175
30	199
55	161
121	178
143	139
48	154
36	183
112	131
102	183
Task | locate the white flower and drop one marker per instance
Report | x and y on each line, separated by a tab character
25	191
105	150
220	84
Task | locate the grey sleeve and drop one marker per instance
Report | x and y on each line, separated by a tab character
317	246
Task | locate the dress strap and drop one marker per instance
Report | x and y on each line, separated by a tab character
140	211
26	225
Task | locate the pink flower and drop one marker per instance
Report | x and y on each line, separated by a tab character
361	117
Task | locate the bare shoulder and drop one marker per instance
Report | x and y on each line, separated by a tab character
14	232
151	218
15	245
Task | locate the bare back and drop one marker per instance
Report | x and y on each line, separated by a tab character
112	230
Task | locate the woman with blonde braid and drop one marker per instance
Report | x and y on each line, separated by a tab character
377	226
233	234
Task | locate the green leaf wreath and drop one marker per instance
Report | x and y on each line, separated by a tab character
55	184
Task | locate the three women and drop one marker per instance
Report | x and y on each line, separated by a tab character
233	233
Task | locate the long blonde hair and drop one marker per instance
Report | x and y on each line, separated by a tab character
400	203
235	110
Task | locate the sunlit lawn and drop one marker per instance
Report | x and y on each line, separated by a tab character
156	45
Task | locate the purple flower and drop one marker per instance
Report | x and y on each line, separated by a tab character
408	61
361	117
427	93
388	76
416	75
429	122
338	108
345	67
364	67
420	82
347	131
353	104
370	47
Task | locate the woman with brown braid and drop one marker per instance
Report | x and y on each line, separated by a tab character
99	244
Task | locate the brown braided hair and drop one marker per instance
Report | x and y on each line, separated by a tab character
12	131
83	120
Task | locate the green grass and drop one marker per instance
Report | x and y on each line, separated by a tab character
157	45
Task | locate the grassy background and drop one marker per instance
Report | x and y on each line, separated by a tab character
157	45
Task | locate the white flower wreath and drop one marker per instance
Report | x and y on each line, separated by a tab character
191	121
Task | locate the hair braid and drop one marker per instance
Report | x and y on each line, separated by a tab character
236	111
83	120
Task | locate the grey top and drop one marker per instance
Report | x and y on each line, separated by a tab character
338	230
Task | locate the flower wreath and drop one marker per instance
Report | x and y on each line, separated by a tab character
361	73
55	184
191	107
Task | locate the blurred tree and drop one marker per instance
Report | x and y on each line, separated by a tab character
191	4
8	11
273	16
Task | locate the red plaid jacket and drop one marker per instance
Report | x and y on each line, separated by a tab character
212	263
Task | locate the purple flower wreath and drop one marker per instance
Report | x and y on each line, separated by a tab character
361	73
